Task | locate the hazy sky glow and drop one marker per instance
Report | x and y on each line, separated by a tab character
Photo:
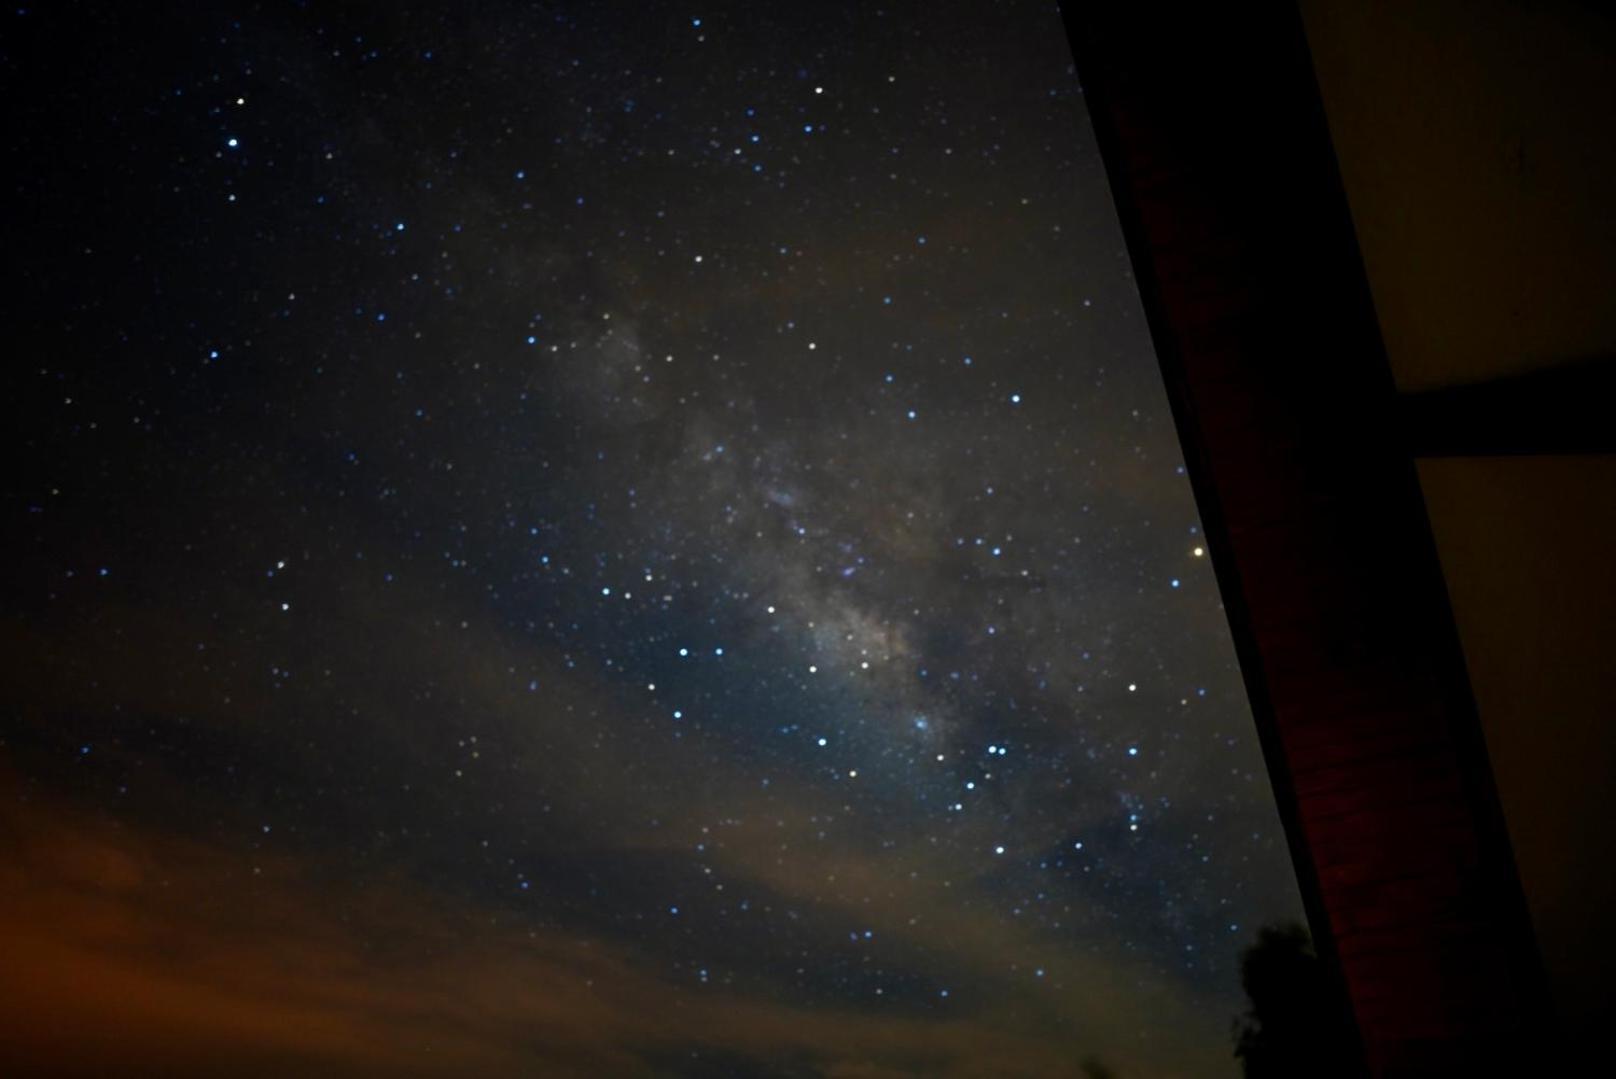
593	539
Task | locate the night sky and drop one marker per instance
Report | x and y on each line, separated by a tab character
598	539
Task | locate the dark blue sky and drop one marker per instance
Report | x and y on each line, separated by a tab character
603	539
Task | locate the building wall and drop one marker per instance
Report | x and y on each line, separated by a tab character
1477	145
1475	140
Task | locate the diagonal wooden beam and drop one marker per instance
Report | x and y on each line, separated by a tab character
1215	142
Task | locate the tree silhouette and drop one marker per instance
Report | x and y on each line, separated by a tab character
1296	1025
1094	1069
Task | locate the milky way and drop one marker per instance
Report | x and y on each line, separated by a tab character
604	539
